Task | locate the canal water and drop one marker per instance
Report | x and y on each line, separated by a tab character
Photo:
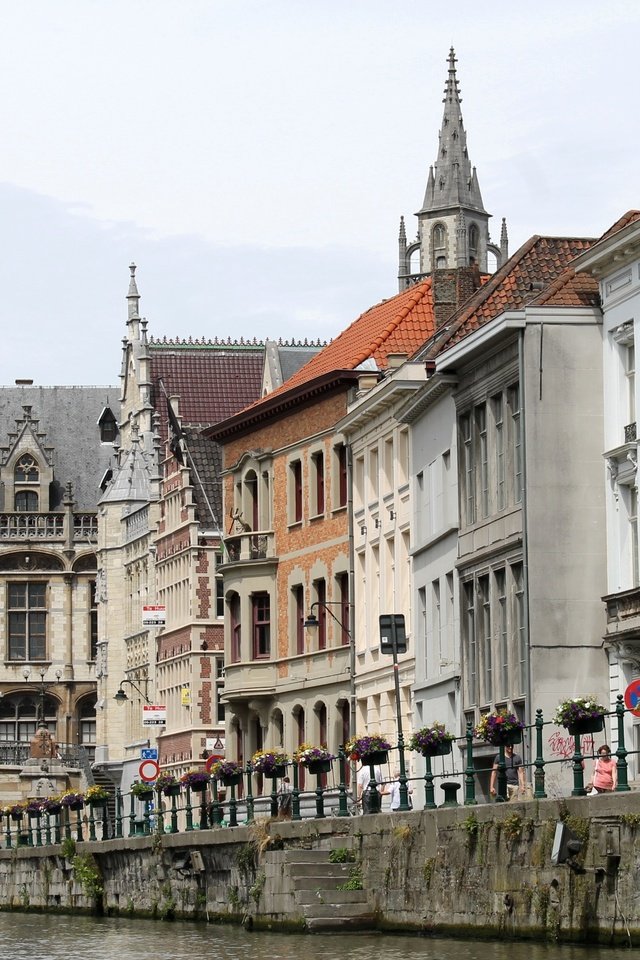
39	937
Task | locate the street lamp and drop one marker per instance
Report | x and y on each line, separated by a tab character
44	686
311	623
393	640
121	697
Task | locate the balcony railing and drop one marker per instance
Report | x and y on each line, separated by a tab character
630	433
249	545
47	526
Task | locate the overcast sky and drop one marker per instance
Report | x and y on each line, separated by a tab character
254	158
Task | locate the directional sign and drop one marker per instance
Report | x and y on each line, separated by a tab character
148	770
632	697
154	715
149	753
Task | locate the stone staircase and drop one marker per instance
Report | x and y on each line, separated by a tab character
315	881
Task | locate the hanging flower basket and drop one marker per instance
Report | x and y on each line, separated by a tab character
433	741
34	808
167	784
272	763
228	772
580	715
500	728
97	796
372	748
51	806
16	812
73	801
142	790
196	780
315	759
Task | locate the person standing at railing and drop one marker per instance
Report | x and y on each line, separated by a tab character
605	772
369	804
514	771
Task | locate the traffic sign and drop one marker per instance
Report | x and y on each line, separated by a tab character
392	633
149	753
149	770
632	697
211	760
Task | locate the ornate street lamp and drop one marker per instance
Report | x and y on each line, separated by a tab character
393	640
121	697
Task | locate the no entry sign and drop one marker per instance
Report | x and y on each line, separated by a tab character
148	770
632	697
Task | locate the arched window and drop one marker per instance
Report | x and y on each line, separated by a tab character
439	235
474	239
19	717
439	251
26	501
27	470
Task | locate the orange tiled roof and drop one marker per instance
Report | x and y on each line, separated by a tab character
398	325
541	260
571	289
629	217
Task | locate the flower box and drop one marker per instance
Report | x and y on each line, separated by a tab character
586	725
580	715
142	790
227	772
271	763
318	766
315	759
73	801
171	790
500	728
433	741
371	748
231	779
196	780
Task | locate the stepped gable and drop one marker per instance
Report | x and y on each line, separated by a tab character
212	379
541	260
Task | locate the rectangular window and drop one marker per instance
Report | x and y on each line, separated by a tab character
516	428
484	600
299	616
220	712
236	628
519	626
261	617
422	620
27	626
483	460
93	621
468	478
451	617
320	590
630	372
388	465
295	502
341	470
219	598
374	470
498	421
471	647
503	635
345	608
633	523
437	620
317	461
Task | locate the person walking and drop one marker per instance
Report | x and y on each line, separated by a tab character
370	804
514	771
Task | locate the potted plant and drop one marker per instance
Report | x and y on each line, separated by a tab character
371	748
501	728
33	808
580	715
196	780
72	800
229	772
142	790
167	784
315	759
433	741
96	796
51	805
272	763
15	811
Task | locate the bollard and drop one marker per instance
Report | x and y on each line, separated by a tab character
450	790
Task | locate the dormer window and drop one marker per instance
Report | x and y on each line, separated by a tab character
27	470
108	426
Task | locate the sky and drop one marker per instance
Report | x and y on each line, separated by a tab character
253	159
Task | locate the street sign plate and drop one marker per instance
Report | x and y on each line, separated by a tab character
154	715
392	633
149	753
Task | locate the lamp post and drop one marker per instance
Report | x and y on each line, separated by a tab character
121	697
393	640
44	686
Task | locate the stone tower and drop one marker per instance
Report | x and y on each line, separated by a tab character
453	225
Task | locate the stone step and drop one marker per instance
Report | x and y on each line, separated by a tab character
329	910
299	855
319	869
365	921
334	897
319	883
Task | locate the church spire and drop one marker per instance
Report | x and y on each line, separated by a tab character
452	181
133	297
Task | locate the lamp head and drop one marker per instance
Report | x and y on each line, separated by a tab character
311	621
120	696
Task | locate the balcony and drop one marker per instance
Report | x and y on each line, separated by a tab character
48	527
250	546
630	433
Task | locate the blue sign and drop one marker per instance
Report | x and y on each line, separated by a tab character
149	753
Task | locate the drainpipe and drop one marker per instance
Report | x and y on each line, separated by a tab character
525	538
352	608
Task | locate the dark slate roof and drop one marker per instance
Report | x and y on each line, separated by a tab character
211	381
293	358
207	458
68	417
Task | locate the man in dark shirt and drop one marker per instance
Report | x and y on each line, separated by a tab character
514	771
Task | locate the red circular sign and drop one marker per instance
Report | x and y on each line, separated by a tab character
149	770
632	697
211	760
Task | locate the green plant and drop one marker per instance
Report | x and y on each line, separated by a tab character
246	858
470	825
87	873
355	881
497	727
25	899
342	855
427	740
232	896
68	848
427	870
573	709
512	827
631	819
402	833
358	748
255	891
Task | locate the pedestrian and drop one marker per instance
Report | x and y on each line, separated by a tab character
285	799
393	789
370	804
514	771
605	773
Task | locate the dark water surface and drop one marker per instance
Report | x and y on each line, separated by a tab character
26	936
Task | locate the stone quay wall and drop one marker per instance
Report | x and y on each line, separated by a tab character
466	871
